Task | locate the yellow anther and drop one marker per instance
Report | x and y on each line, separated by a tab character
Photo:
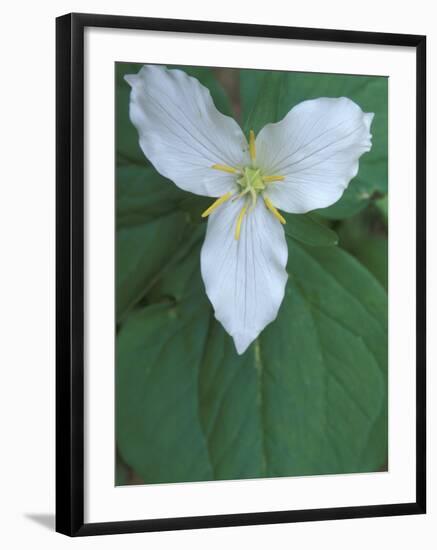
252	147
239	221
270	179
217	203
273	210
225	168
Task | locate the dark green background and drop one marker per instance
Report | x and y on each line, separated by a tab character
310	395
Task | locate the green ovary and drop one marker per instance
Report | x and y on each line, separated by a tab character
251	182
252	179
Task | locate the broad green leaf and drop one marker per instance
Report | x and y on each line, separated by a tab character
361	190
373	253
365	236
144	195
350	309
174	283
309	397
267	105
157	414
355	198
194	205
290	88
382	205
250	83
306	229
143	252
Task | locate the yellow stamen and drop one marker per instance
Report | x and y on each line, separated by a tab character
239	221
269	179
273	210
225	168
217	203
252	148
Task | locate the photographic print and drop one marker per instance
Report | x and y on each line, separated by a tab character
251	274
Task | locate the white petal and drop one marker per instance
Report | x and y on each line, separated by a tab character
182	133
316	147
244	279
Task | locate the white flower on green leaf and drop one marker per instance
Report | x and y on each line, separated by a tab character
301	163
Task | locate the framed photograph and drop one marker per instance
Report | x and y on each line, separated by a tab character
240	274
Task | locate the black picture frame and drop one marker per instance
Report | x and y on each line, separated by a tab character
70	273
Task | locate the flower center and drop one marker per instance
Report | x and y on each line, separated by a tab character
251	182
251	179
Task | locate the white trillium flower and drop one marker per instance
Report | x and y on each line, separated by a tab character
301	163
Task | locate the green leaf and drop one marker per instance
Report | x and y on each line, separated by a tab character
266	107
365	236
174	283
362	189
157	422
143	252
309	397
288	89
306	229
194	205
355	198
144	195
373	253
382	205
250	83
